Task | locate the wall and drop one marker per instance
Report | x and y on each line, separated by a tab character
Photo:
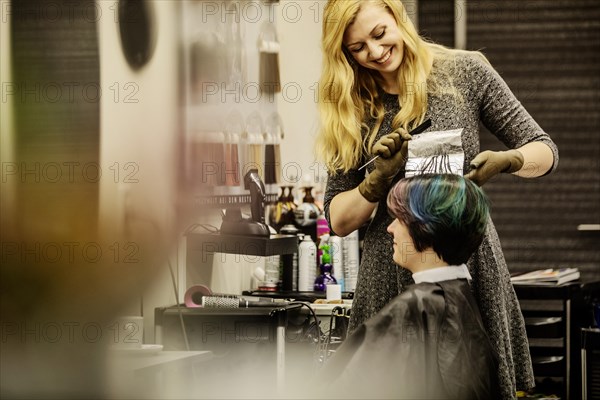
139	129
299	27
6	125
547	51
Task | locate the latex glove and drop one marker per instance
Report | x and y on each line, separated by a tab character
488	164
392	150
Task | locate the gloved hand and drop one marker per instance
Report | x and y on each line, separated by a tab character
392	150
488	164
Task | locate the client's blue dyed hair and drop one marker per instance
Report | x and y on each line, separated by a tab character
443	211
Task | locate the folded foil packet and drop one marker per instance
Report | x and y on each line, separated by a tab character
436	152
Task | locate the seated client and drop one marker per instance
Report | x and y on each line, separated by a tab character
429	342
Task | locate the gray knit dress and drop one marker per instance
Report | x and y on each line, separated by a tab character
486	99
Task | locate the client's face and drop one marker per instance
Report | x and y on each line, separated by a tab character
405	254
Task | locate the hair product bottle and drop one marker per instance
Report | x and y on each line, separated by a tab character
336	251
307	264
326	277
290	229
351	257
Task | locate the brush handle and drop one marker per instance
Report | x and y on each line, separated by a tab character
419	129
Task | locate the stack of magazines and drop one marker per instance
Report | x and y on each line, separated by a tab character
547	277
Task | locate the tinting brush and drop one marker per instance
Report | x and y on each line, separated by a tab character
419	129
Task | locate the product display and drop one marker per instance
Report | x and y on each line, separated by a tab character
307	213
281	213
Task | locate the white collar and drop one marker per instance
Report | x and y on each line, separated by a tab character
442	274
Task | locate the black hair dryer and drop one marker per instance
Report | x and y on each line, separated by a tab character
234	224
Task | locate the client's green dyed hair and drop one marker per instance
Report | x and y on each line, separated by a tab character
443	211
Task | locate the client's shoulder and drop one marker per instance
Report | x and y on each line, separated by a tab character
416	299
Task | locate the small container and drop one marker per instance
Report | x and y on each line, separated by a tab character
333	292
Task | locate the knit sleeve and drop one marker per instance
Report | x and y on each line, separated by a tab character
338	183
501	112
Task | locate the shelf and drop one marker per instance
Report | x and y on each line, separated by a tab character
541	305
557	292
547	342
548	366
247	245
227	200
544	327
309	296
228	312
588	228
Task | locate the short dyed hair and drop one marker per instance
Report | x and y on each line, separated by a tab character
443	211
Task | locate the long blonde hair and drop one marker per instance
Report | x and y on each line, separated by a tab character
348	94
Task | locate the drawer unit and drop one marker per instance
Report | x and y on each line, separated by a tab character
554	317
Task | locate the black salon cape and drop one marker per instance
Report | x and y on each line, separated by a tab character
428	343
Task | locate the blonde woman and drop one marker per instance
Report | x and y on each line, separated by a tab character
379	80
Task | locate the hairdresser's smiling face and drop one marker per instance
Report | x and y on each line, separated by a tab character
375	41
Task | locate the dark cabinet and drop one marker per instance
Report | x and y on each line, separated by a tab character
554	317
590	363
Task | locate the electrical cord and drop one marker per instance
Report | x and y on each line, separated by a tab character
321	356
210	229
314	315
185	338
335	312
331	317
